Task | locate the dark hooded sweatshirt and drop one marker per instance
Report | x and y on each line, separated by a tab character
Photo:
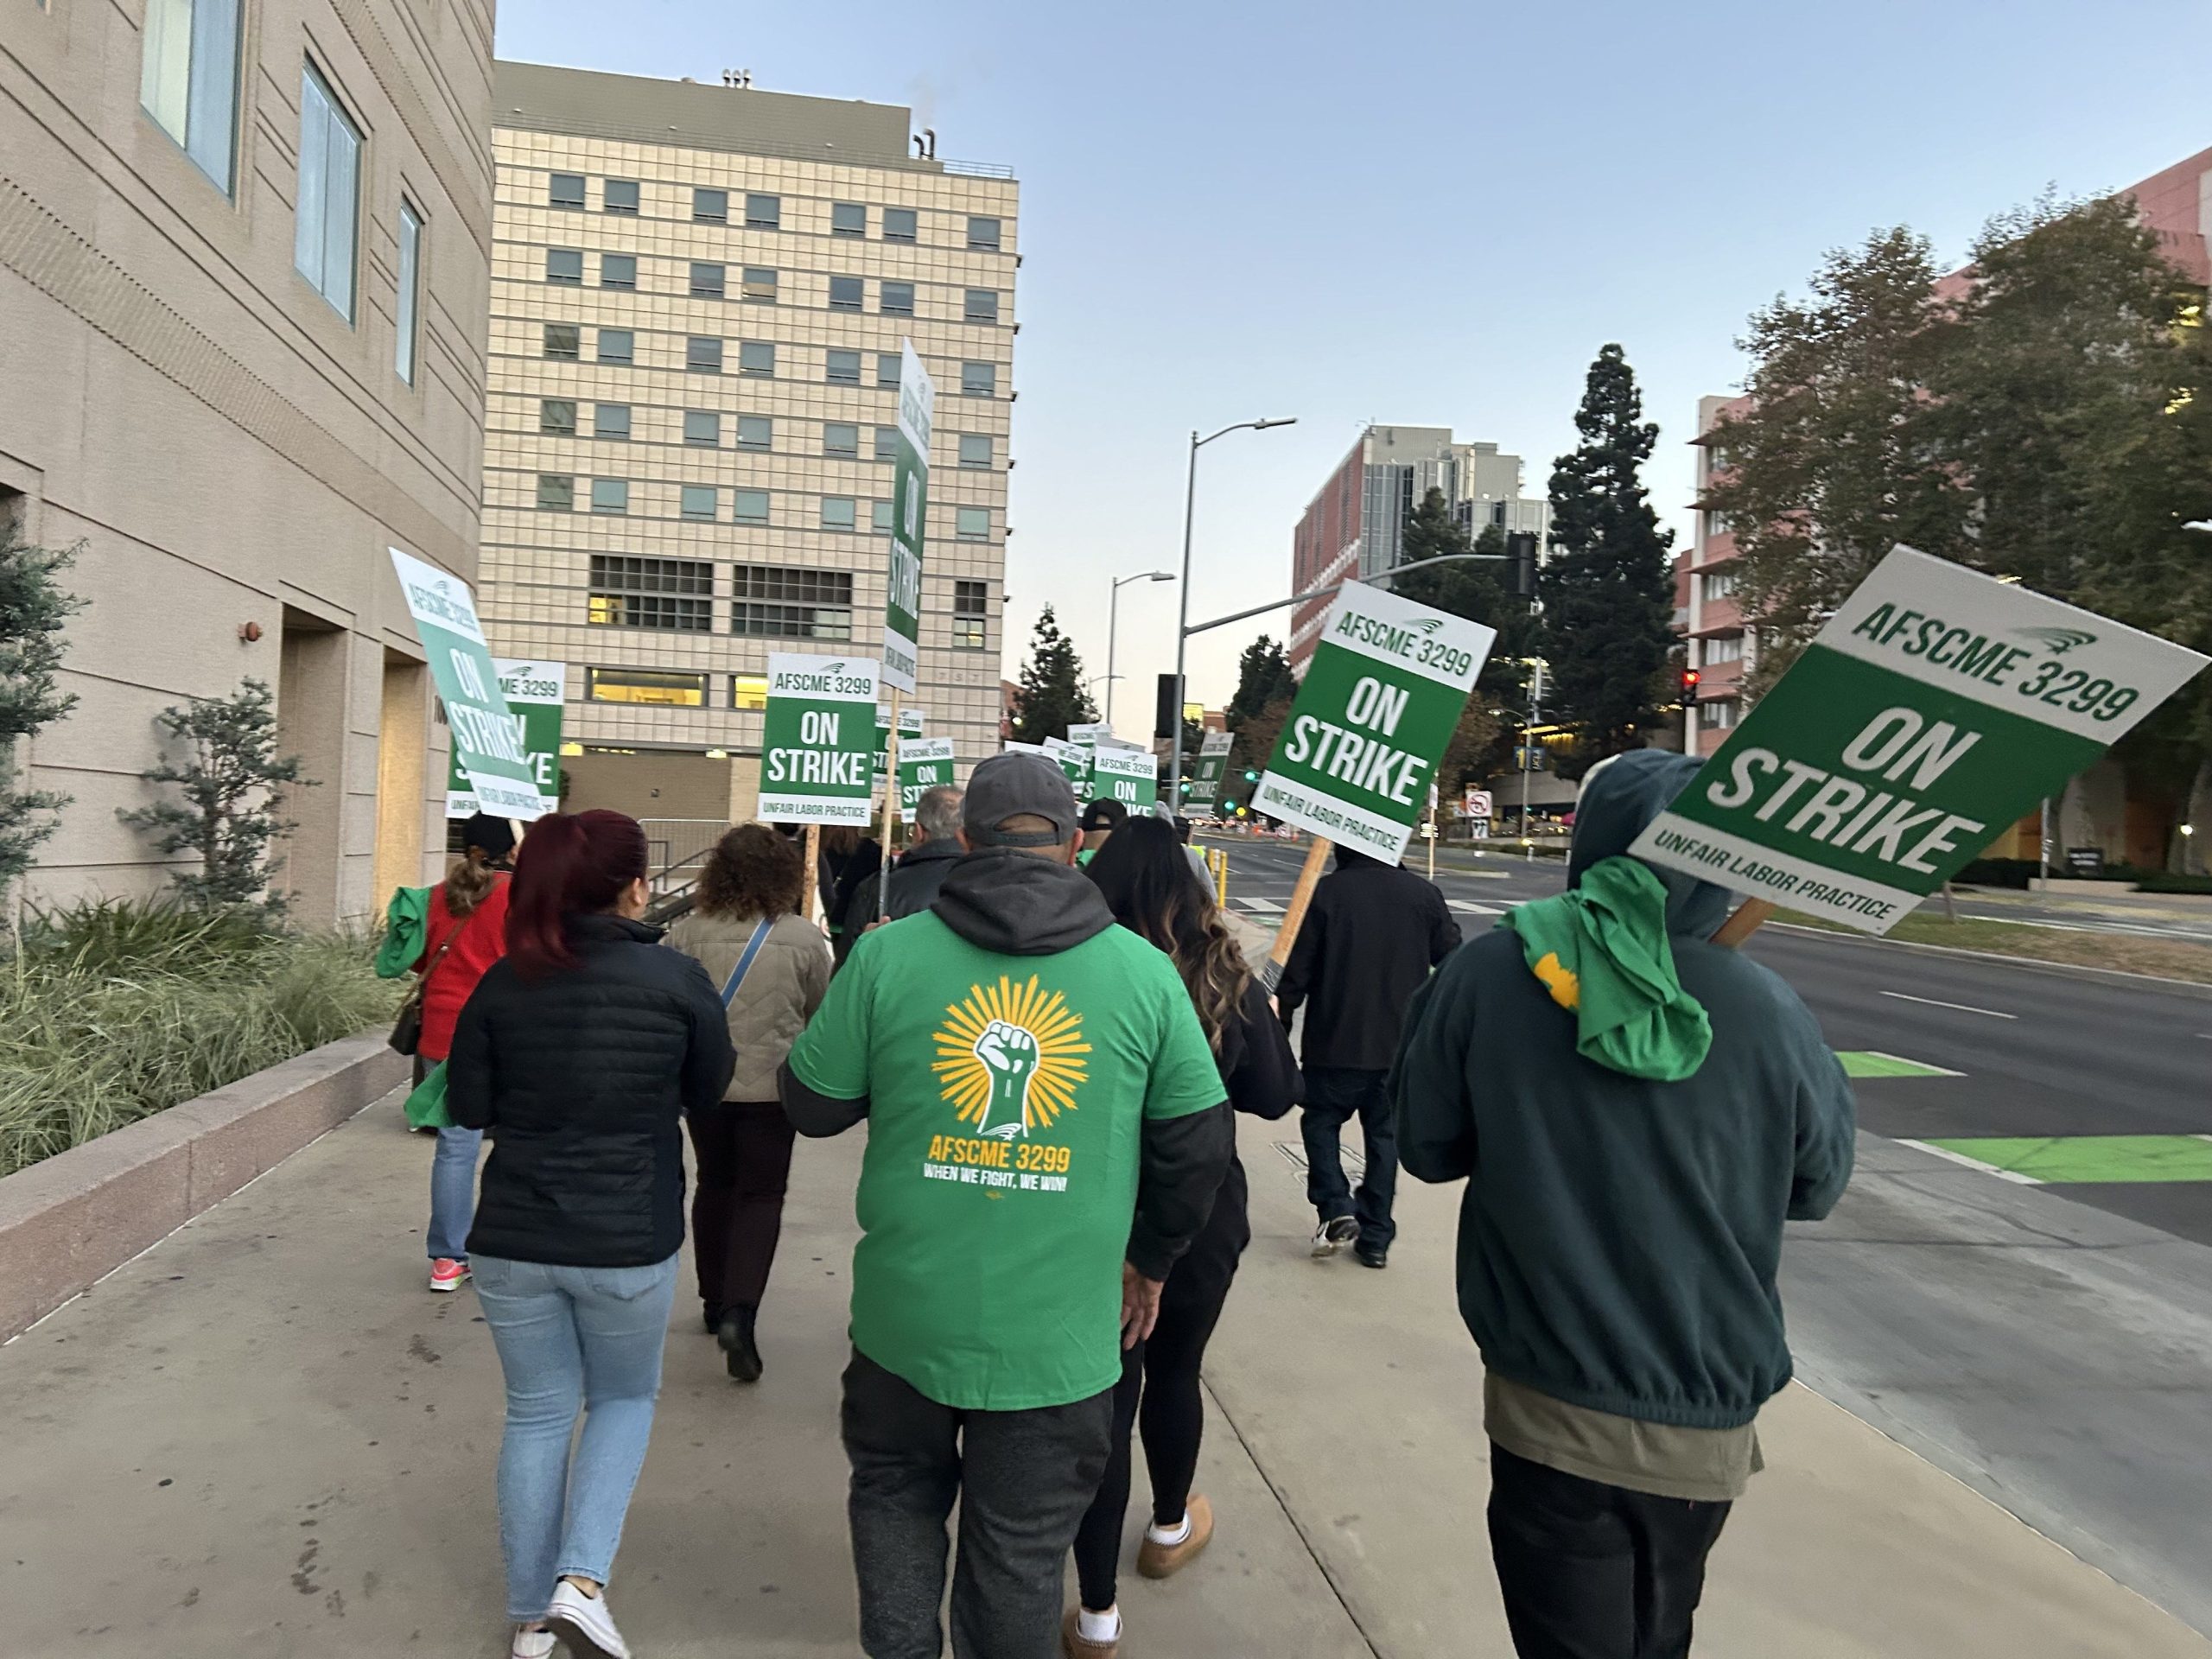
1619	1236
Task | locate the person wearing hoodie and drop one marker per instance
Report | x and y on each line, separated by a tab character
1635	1112
1047	1130
921	868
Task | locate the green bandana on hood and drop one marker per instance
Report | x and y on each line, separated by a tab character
1601	948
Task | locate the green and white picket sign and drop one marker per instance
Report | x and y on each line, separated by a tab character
1371	721
534	692
911	724
817	740
1089	733
1203	787
1129	776
910	494
487	743
1935	707
1073	758
924	763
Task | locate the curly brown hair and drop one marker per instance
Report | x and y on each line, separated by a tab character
753	871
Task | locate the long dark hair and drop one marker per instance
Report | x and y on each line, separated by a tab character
753	871
570	864
1145	875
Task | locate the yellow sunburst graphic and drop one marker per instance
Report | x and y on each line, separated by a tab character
1010	1057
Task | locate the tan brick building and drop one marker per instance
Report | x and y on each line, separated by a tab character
698	298
236	375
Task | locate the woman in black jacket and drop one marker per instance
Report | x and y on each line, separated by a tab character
580	1050
1149	883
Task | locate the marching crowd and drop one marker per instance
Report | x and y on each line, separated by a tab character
1048	1042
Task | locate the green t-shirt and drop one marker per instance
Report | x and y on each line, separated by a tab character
1006	1095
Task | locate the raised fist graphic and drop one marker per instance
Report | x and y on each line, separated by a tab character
1009	1053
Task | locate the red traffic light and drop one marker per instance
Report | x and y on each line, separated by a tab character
1690	677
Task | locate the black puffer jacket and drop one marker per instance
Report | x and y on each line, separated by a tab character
582	1078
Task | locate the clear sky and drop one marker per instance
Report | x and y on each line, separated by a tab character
1425	213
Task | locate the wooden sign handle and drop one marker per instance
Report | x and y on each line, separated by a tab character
1317	856
891	815
813	856
1744	923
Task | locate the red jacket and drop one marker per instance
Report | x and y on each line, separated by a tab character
483	941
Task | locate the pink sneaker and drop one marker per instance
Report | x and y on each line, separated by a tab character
447	1274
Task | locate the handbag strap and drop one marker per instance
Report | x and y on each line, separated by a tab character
421	983
745	962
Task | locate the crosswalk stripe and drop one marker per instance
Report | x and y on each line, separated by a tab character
1264	906
1474	909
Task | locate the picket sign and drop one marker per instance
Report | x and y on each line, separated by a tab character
817	740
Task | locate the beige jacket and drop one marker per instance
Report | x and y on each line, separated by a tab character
785	986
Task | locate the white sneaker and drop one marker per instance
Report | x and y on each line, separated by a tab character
1332	1235
586	1623
532	1644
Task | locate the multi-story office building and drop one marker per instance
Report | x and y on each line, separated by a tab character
699	296
1717	643
243	255
1356	525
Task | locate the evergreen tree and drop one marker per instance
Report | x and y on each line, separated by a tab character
1053	697
1477	590
1263	676
233	781
33	608
1609	590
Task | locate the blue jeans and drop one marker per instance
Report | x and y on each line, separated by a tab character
1334	1095
570	1340
453	1193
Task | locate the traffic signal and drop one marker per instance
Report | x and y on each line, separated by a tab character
1520	564
1690	678
1251	776
1167	710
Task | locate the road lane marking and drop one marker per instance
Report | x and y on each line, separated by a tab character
1264	906
1946	1154
1873	1062
1474	909
2061	1159
1961	1006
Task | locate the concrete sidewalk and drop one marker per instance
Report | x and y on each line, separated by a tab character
264	1438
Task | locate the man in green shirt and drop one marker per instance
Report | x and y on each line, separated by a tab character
1046	1131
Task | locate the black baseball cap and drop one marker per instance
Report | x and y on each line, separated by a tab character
1103	814
1018	785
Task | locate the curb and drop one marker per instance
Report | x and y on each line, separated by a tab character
2196	987
70	1220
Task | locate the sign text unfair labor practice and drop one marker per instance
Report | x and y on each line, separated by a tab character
1935	708
817	740
1372	719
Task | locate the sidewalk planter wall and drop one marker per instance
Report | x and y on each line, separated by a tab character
68	1220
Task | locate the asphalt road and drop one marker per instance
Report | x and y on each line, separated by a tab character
2049	1345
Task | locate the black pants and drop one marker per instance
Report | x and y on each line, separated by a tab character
744	1152
1595	1571
1022	1480
1159	1396
1334	1095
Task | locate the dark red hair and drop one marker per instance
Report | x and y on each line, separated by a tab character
570	864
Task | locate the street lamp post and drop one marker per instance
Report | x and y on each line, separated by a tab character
1113	607
1183	606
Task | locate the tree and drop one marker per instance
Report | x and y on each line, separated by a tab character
1255	743
1263	676
1609	591
233	782
1477	591
33	608
1053	697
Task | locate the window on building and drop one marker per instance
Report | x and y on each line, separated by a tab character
621	196
189	79
565	190
329	194
1729	649
760	284
610	494
888	366
618	271
786	604
748	506
763	212
1716	524
645	686
895	299
757	357
886	443
1719	716
843	368
979	379
842	439
710	206
845	293
755	432
409	321
617	346
703	354
557	416
839	513
971	523
899	224
981	305
699	501
982	234
556	492
565	341
610	421
702	427
748	690
707	280
974	449
1720	584
565	266
633	593
847	218
879	518
971	602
